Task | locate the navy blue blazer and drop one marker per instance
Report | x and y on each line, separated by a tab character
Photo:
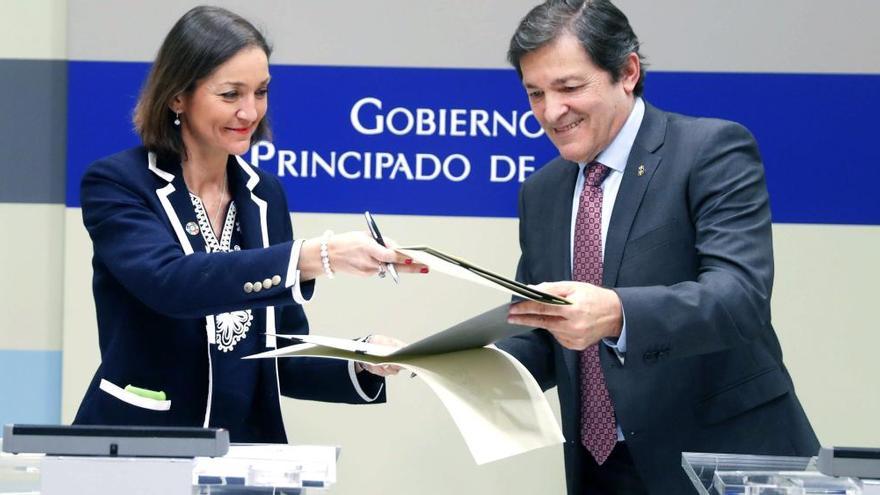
156	290
690	254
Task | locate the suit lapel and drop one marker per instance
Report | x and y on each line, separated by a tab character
640	168
251	209
176	204
559	244
253	218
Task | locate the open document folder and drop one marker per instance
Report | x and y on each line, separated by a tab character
457	267
493	399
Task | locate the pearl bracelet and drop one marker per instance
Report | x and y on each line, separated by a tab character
325	254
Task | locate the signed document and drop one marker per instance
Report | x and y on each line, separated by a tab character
495	402
452	265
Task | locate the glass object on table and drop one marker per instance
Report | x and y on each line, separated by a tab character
733	474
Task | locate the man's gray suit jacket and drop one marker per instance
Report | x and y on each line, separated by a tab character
689	252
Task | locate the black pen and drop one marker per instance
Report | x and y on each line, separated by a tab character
374	231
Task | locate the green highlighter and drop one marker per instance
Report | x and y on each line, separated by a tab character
149	394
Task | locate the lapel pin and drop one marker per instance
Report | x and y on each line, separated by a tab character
641	171
192	228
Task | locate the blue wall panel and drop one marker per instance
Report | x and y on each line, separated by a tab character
814	132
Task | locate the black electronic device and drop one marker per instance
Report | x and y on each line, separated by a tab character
121	441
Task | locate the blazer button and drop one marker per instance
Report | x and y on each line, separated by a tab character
248	287
276	280
258	286
267	283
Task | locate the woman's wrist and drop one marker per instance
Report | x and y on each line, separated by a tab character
310	266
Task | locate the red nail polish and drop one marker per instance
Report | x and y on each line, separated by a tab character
407	261
424	270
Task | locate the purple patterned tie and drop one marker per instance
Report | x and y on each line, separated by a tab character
598	425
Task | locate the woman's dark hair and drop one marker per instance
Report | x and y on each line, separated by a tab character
602	29
202	40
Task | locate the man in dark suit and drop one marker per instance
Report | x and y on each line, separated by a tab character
658	227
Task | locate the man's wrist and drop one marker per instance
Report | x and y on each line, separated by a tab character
615	315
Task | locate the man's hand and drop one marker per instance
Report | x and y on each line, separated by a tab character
595	313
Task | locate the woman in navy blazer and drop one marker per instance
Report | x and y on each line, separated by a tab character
194	263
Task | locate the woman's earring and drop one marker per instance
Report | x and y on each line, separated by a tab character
177	118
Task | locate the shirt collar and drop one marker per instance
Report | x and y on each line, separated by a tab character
617	153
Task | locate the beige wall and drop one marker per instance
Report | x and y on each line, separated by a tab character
31	296
824	310
33	29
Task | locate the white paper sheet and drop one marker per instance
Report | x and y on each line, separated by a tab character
495	402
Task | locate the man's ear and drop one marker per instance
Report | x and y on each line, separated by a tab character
632	70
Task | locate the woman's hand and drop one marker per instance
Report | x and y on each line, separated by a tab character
358	253
355	253
384	369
